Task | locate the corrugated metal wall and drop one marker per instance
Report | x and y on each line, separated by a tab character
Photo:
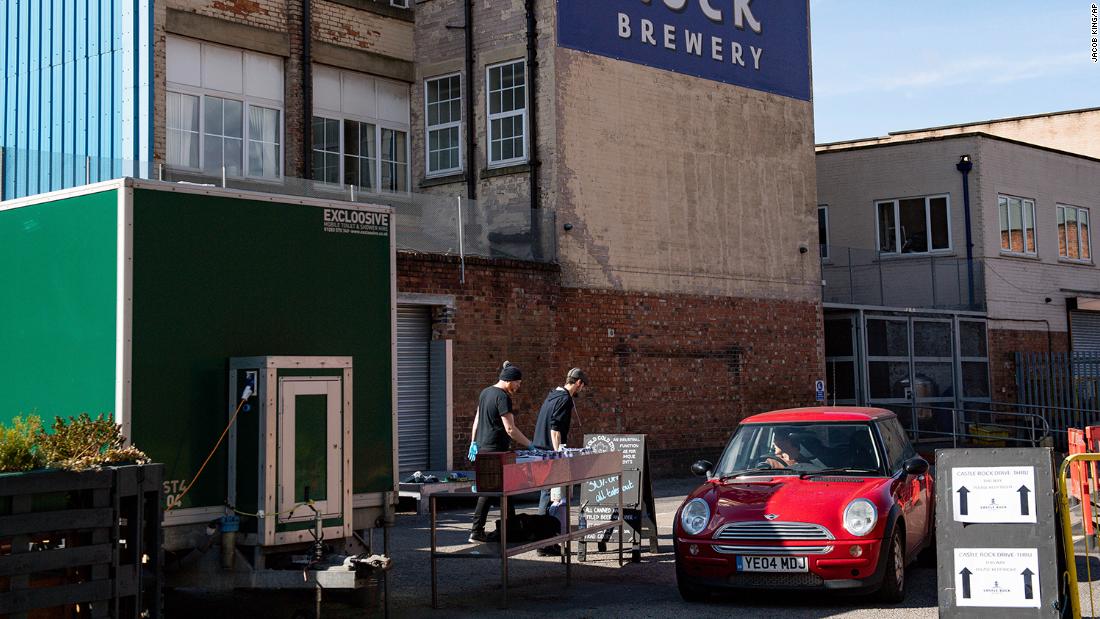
77	85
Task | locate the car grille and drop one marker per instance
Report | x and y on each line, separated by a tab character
773	550
749	579
774	531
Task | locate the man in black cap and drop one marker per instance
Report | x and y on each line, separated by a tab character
552	428
494	425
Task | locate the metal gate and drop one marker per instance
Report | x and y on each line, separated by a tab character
1063	387
414	330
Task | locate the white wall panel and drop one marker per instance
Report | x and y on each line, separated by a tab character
263	76
222	69
184	61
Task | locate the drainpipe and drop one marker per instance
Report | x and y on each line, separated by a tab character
964	166
533	140
471	127
307	90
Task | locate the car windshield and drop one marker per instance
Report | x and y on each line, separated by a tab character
803	448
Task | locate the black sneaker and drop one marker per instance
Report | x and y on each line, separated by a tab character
549	551
477	536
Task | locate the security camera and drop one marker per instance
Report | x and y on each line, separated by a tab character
568	227
803	248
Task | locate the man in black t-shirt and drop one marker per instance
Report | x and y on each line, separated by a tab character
552	429
494	425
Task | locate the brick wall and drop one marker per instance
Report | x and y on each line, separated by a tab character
268	14
343	25
1004	343
681	368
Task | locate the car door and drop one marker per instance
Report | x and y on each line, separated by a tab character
910	491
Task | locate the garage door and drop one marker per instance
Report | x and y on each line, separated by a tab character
1085	327
414	331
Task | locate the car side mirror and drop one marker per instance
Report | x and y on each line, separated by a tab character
916	466
702	468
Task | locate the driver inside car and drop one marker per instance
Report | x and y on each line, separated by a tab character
788	453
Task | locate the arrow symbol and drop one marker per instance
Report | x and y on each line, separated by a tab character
962	501
966	582
1024	490
1028	592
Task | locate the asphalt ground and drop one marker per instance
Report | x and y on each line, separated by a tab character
600	588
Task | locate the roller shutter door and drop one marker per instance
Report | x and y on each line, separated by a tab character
1085	328
414	330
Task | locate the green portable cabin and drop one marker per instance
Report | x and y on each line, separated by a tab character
160	302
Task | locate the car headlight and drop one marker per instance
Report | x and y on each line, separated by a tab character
860	517
695	516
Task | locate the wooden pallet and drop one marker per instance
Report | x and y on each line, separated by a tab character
86	544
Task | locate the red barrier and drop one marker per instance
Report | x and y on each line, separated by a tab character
1080	441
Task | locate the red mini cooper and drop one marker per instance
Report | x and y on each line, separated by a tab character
814	498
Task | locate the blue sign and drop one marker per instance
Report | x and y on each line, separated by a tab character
819	388
763	45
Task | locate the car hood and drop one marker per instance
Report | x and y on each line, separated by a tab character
819	500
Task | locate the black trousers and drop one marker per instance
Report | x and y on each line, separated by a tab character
481	512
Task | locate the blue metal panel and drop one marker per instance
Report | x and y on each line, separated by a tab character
77	86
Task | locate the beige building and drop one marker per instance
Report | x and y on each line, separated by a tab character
893	213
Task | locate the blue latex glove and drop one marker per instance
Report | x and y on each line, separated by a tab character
472	454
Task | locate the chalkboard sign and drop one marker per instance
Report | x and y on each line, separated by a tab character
601	496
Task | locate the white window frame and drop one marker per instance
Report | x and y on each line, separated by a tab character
198	126
401	4
246	103
1060	208
824	208
489	117
1024	203
428	172
339	150
378	126
927	222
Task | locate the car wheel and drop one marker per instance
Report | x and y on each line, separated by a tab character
893	582
690	592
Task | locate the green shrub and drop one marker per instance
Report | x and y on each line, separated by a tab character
83	443
18	451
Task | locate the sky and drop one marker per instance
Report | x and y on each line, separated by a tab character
890	65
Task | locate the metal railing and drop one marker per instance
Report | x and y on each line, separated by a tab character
858	276
425	222
977	424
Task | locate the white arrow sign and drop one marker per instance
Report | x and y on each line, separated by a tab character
993	494
998	577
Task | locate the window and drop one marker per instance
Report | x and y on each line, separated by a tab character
224	109
395	160
823	230
326	149
404	4
914	225
360	154
443	116
1017	225
1073	233
507	102
223	135
360	130
263	142
898	448
183	130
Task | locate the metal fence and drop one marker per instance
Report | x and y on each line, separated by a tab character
425	222
1065	386
859	276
